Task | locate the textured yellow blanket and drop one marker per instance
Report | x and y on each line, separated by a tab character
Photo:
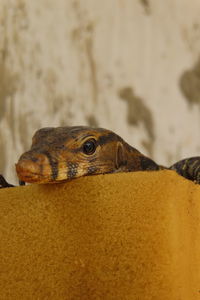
119	236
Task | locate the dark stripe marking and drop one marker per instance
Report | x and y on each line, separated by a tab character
110	137
148	164
92	170
72	170
54	165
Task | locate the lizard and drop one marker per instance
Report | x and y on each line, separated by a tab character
63	153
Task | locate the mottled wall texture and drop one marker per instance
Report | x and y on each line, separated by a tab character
131	66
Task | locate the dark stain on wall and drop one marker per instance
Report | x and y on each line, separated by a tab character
56	100
83	37
9	82
139	112
91	61
146	5
24	135
3	153
8	86
92	121
68	118
190	84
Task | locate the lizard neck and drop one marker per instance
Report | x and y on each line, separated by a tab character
136	161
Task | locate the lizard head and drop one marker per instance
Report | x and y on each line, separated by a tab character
64	153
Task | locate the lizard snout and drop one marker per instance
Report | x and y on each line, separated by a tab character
33	168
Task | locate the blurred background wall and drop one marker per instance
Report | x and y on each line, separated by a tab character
132	66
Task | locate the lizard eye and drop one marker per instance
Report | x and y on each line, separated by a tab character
89	147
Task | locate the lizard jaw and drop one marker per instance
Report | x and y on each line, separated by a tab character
33	172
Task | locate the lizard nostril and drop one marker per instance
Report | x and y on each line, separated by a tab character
39	158
34	159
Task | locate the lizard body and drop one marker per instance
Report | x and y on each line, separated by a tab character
63	153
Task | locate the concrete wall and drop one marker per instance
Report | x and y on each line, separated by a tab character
131	66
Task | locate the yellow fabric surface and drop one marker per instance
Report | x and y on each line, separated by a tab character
118	236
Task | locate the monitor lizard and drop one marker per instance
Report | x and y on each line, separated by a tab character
63	153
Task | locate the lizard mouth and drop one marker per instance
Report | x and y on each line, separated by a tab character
40	169
34	170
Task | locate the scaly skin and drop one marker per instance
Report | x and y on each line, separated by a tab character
59	154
